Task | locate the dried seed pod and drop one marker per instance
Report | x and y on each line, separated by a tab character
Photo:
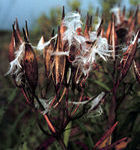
62	27
18	32
31	67
12	47
25	36
108	30
26	30
63	13
90	23
59	61
100	27
16	41
112	36
86	31
49	59
128	57
137	70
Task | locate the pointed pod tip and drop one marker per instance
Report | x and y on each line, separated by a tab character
17	26
16	20
58	30
87	19
52	35
26	29
91	20
63	13
24	34
13	26
58	38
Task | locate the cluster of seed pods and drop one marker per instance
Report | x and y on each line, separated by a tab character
63	72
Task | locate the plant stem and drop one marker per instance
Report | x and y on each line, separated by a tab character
61	142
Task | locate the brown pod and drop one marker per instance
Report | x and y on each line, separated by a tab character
86	31
100	27
108	30
112	36
129	56
18	32
12	48
26	30
16	41
31	67
62	27
59	61
90	23
49	60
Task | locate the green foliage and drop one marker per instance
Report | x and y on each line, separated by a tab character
67	133
45	24
107	5
74	4
134	2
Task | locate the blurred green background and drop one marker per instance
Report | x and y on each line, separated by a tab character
18	127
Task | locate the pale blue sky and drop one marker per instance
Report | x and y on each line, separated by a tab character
31	9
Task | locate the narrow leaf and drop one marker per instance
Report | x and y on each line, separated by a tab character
67	133
103	85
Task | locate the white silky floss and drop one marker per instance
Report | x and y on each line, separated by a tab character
72	22
116	11
93	102
15	65
41	45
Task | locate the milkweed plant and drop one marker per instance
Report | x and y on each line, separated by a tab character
69	58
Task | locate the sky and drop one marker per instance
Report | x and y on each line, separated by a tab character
31	9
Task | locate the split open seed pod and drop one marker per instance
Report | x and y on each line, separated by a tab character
30	66
16	41
59	62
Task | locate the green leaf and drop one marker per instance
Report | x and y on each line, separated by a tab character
67	133
12	96
103	85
